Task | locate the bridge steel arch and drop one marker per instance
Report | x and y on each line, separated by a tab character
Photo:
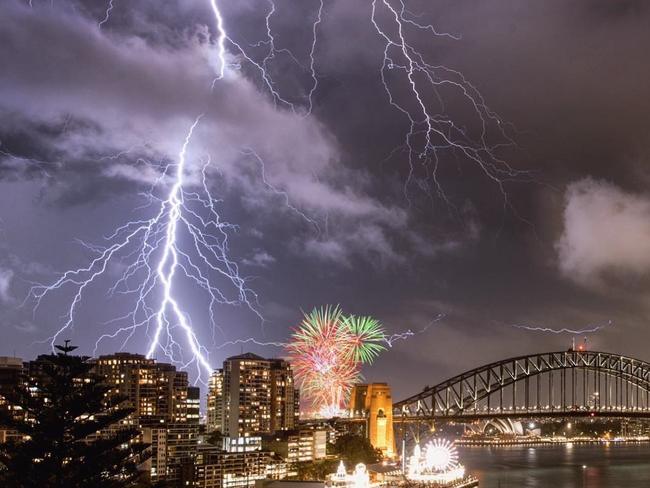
567	383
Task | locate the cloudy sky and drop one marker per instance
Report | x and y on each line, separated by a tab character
530	207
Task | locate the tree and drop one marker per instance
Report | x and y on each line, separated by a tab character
315	470
354	448
66	409
215	438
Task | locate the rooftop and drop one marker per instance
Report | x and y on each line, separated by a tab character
247	355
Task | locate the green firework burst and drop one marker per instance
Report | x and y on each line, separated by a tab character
368	337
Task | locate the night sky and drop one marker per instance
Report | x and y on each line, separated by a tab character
89	115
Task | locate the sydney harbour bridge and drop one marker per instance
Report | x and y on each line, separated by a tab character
573	383
507	394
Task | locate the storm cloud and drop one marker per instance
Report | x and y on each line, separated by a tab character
605	230
325	205
135	100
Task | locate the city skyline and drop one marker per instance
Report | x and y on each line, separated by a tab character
331	213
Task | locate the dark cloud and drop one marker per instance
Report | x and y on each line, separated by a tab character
137	99
90	117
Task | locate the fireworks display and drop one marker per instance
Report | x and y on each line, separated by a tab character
327	351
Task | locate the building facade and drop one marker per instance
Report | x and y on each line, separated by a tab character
173	451
284	397
298	445
166	409
252	395
214	405
11	376
156	391
249	397
215	468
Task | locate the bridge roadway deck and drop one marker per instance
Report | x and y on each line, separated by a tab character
523	414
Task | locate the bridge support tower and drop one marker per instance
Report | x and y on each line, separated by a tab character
374	403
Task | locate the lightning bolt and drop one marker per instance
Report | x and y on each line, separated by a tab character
169	264
191	213
221	40
250	340
389	339
262	67
432	131
186	237
407	334
312	54
107	14
550	330
41	165
273	52
283	194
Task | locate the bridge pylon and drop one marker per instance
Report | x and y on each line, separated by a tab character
374	403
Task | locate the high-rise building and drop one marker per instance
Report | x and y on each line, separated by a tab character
247	395
166	408
215	402
252	395
157	391
173	450
284	393
11	376
374	403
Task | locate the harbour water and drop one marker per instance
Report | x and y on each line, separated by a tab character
560	466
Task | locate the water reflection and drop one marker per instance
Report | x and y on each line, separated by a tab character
563	466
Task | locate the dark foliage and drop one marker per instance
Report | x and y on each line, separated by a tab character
215	438
315	470
353	449
64	408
